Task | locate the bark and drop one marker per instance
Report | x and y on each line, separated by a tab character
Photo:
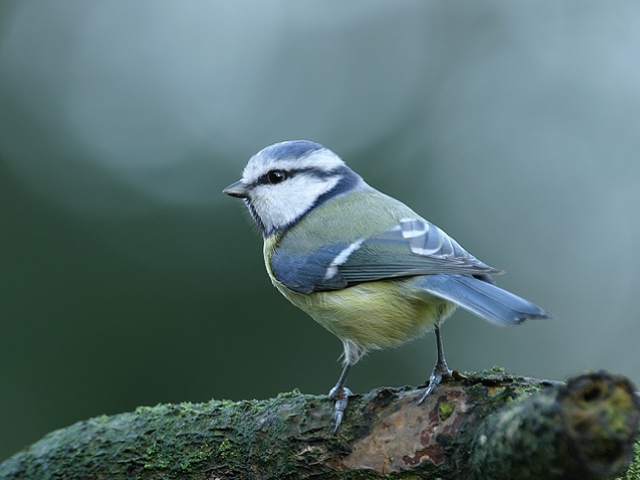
488	425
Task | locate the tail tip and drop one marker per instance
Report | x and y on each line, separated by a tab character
538	315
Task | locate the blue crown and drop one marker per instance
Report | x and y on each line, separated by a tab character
291	149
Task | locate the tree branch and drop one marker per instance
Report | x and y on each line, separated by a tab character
489	425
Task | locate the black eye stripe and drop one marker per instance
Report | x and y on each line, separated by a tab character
273	177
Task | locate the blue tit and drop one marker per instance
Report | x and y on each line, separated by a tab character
362	264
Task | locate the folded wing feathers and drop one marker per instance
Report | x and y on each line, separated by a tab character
428	240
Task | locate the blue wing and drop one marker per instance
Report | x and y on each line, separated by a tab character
412	247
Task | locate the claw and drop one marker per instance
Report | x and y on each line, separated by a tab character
434	381
440	371
341	396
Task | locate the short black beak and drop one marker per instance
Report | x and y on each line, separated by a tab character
237	189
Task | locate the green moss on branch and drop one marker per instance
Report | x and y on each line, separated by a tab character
470	426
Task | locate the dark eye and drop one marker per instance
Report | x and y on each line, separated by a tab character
276	176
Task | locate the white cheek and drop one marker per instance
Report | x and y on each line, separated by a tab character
279	205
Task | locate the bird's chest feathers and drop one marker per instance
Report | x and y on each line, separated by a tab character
371	313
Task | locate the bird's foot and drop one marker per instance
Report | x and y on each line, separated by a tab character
340	395
440	371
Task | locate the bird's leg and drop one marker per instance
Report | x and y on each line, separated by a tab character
340	394
440	370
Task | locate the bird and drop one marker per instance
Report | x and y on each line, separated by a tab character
362	264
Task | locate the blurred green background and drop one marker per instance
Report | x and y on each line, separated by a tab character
127	278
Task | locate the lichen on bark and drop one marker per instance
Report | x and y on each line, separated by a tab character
487	425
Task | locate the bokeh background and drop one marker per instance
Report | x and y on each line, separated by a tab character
127	278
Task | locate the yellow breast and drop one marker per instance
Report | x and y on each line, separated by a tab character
372	315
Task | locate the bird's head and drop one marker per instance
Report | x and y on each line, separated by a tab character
285	181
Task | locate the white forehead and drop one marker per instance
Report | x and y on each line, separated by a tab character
290	156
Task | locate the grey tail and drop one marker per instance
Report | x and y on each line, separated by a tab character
482	298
